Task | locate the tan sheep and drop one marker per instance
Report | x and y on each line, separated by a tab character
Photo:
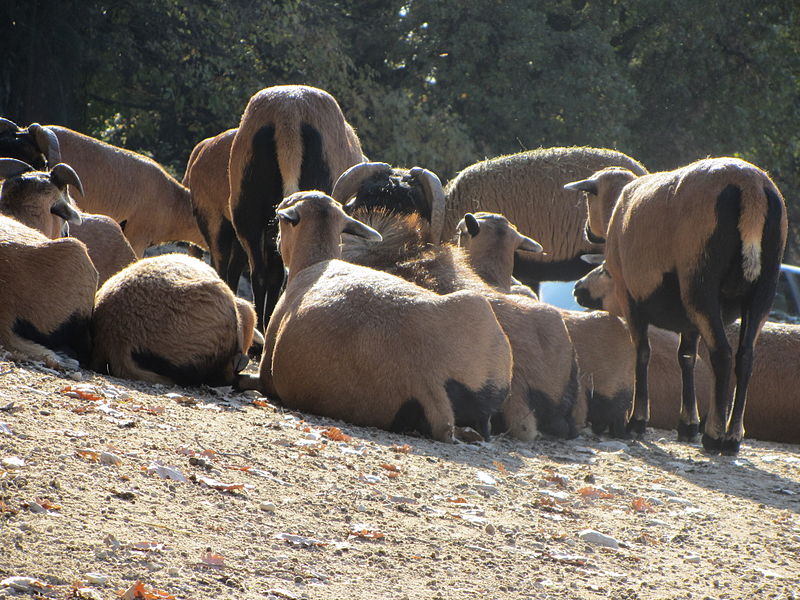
39	199
207	179
605	354
132	189
170	319
528	189
357	344
46	297
690	250
545	380
290	138
108	247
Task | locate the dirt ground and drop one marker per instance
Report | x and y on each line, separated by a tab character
112	489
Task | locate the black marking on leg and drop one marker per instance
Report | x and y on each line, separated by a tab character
411	417
554	417
636	427
475	408
712	445
72	337
688	432
606	413
730	447
314	172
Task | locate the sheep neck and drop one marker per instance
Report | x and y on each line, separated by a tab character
312	247
497	272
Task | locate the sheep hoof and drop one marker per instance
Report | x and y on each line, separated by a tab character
711	445
617	429
730	447
637	427
688	432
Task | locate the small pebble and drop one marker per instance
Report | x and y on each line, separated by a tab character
267	506
76	376
692	558
490	529
591	536
173	572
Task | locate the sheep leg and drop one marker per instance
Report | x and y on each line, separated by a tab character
641	403
689	424
236	264
273	282
712	330
24	349
734	432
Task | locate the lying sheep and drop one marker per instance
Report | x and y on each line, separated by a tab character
207	179
107	245
132	189
290	138
32	145
689	250
170	319
357	344
47	295
39	199
545	384
528	189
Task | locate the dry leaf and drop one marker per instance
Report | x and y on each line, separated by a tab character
335	434
75	392
593	492
218	485
457	500
642	505
499	466
390	467
393	474
366	534
146	546
88	454
211	559
261	403
138	591
404	449
47	505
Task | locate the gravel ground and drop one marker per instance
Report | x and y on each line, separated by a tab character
112	489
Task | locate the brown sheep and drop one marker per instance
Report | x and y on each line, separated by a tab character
528	189
47	295
35	145
290	138
373	349
108	247
132	189
545	384
689	250
207	179
170	319
39	199
605	354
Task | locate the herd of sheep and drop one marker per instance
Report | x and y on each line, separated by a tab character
383	298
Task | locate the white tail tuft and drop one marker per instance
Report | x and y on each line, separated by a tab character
751	261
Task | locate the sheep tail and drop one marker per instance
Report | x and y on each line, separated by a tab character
289	146
751	227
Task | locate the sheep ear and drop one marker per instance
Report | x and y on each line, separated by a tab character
529	245
62	175
585	185
473	227
11	167
358	228
593	259
66	211
290	215
123	223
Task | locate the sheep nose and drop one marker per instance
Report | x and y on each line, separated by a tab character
584	298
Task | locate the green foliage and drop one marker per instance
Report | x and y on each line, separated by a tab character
436	83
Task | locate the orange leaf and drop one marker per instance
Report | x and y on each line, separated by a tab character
593	492
389	467
457	500
500	466
76	393
641	505
138	591
260	403
366	534
404	449
92	455
46	504
213	560
336	434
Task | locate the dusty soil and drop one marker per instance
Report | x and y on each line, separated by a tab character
277	504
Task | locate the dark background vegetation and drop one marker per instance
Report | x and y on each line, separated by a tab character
438	83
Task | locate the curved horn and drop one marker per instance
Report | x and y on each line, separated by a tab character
47	142
6	125
11	167
348	183
529	244
434	192
62	174
593	259
584	185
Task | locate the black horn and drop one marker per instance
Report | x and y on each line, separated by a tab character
434	192
62	174
350	181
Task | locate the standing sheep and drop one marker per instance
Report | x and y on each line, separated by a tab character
690	250
290	138
397	203
170	319
207	179
528	189
132	189
373	349
46	296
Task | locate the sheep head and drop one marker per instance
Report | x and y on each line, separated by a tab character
310	226
36	145
34	197
595	290
602	189
367	186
